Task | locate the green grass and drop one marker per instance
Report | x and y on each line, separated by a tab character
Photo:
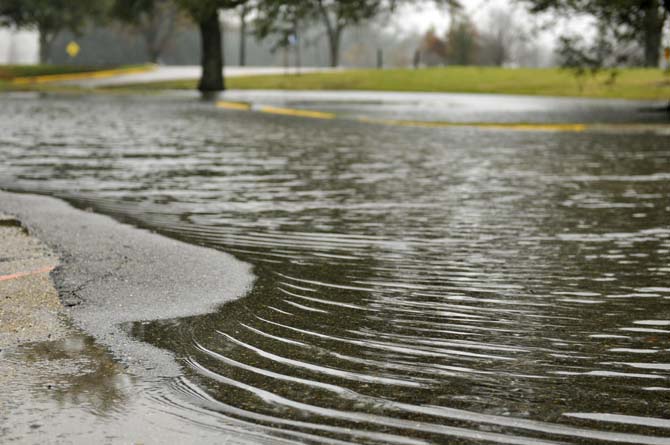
9	72
631	83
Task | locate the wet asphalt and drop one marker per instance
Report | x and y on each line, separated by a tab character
112	274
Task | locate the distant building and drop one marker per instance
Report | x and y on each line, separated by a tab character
18	46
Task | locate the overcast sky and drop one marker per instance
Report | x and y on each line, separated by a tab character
422	18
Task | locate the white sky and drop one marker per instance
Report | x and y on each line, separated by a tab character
423	17
18	47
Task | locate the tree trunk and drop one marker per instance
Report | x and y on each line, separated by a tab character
243	36
154	55
334	46
652	33
333	32
150	37
45	44
296	44
211	59
298	57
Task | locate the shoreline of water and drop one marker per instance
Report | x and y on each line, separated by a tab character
112	273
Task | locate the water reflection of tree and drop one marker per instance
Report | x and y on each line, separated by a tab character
78	371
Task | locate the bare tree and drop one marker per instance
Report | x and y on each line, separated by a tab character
503	39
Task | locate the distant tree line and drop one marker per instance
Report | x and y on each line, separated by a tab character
287	22
51	16
115	43
621	25
281	18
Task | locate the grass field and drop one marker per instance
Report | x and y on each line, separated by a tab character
629	84
9	72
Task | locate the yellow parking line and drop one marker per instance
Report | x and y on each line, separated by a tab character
492	125
233	105
524	126
295	112
101	74
574	128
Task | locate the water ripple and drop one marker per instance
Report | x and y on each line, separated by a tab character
415	285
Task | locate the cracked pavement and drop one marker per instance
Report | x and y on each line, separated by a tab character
112	273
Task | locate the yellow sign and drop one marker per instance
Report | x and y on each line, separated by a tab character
72	49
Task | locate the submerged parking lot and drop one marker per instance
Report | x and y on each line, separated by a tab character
413	284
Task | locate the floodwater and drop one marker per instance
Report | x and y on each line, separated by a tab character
414	285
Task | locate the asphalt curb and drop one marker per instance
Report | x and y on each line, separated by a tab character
29	306
69	77
112	274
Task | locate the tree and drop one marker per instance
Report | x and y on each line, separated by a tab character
282	19
462	42
641	21
338	15
279	16
51	16
245	9
154	20
433	50
502	37
590	59
205	13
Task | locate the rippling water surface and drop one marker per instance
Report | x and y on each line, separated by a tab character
414	285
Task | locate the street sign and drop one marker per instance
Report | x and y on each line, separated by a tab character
72	49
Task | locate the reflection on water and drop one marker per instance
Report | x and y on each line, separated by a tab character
415	285
41	379
90	378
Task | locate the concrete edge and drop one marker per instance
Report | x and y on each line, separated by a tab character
113	274
68	77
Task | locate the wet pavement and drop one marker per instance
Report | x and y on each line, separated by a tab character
113	274
186	72
71	390
415	285
461	107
